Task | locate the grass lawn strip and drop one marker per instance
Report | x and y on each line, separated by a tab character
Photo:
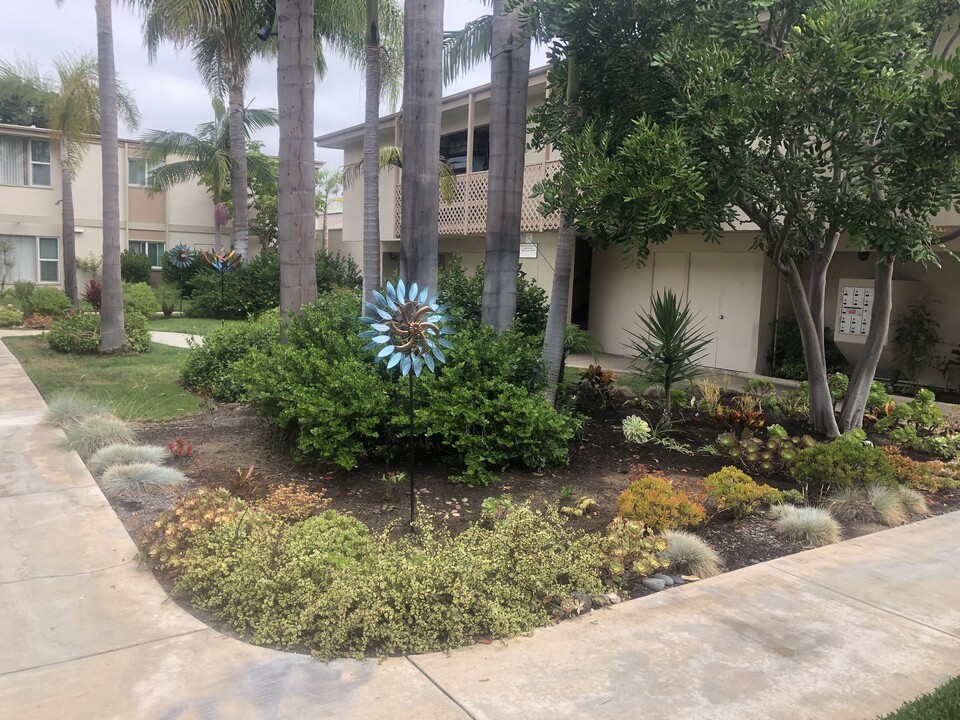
941	704
191	326
135	387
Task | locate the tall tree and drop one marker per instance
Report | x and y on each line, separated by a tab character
207	155
509	80
296	190
329	186
112	337
822	121
71	106
422	91
22	100
371	150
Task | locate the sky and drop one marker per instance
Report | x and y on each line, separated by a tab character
169	92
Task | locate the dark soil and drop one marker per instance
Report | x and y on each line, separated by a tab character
231	437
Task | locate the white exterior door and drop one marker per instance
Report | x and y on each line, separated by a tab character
725	290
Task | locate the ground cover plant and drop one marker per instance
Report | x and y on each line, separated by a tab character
941	704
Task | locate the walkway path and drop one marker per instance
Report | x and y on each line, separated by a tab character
842	633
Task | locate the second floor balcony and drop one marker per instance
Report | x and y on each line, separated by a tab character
466	212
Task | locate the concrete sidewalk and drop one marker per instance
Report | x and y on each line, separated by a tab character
841	633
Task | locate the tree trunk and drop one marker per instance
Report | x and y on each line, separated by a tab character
822	417
817	288
422	90
509	76
562	267
371	159
112	337
238	168
69	225
296	189
217	238
557	314
855	402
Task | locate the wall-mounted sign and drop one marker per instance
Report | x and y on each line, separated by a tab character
528	250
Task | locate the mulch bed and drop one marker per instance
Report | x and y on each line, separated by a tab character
232	436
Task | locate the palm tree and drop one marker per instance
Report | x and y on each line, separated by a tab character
509	80
371	145
112	336
73	110
329	185
208	157
422	90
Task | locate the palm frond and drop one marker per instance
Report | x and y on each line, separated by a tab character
464	49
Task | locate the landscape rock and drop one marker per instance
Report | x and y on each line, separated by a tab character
667	580
613	598
677	580
653	584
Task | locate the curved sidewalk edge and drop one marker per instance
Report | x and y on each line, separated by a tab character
86	634
846	632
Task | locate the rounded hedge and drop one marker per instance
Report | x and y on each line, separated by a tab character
79	333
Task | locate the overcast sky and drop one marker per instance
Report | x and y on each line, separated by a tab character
169	93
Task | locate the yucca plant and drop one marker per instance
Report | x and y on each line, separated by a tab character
669	345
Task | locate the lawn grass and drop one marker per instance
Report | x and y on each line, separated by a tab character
941	704
135	387
193	326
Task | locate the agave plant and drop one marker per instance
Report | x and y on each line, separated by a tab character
669	345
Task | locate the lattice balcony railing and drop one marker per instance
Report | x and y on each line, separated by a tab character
466	212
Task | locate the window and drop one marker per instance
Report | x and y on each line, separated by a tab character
153	250
453	148
140	170
24	162
40	162
49	254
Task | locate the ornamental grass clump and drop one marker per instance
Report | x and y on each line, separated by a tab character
64	410
689	554
890	506
123	454
128	480
809	526
96	431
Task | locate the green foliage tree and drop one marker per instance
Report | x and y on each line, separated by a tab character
329	186
263	198
22	102
815	119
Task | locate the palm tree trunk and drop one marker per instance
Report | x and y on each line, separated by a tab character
371	159
422	90
510	72
296	189
69	225
238	168
111	305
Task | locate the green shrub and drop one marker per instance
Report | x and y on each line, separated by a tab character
464	295
482	408
64	410
133	478
653	500
95	432
176	530
787	352
732	489
878	396
846	461
808	526
922	412
689	554
122	454
325	583
49	302
23	291
255	285
10	316
134	267
79	333
140	298
631	550
210	367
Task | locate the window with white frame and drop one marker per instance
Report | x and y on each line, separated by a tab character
140	170
24	161
48	258
153	250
